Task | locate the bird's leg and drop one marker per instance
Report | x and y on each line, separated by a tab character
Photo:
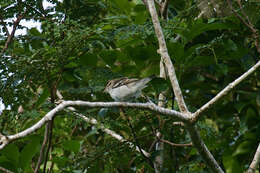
146	98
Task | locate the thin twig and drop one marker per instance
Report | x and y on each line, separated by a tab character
10	37
42	148
176	145
50	129
136	141
164	9
248	23
4	25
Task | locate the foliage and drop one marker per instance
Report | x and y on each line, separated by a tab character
84	43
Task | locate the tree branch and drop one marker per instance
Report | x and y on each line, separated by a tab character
4	25
224	92
196	140
166	58
10	36
50	130
164	9
5	170
42	148
202	149
4	140
93	121
174	144
253	166
247	23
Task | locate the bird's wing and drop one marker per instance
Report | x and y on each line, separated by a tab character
123	81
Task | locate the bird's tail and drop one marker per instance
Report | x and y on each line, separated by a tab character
142	82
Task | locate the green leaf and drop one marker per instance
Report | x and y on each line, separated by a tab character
29	151
140	18
159	84
11	152
140	8
243	148
68	76
71	65
258	99
92	132
71	145
107	27
125	6
240	105
231	164
176	51
199	27
88	59
45	94
109	56
230	45
34	32
202	61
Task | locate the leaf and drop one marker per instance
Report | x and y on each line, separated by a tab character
140	8
34	32
230	45
258	99
176	50
92	132
159	84
11	152
243	148
71	145
231	164
199	27
109	56
45	94
29	151
240	105
68	76
71	65
202	61
88	59
140	18
103	112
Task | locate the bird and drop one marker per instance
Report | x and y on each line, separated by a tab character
126	89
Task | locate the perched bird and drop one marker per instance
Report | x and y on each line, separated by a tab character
125	89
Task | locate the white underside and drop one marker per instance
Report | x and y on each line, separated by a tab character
124	93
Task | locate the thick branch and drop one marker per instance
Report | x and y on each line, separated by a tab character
224	92
253	166
4	140
203	150
167	60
